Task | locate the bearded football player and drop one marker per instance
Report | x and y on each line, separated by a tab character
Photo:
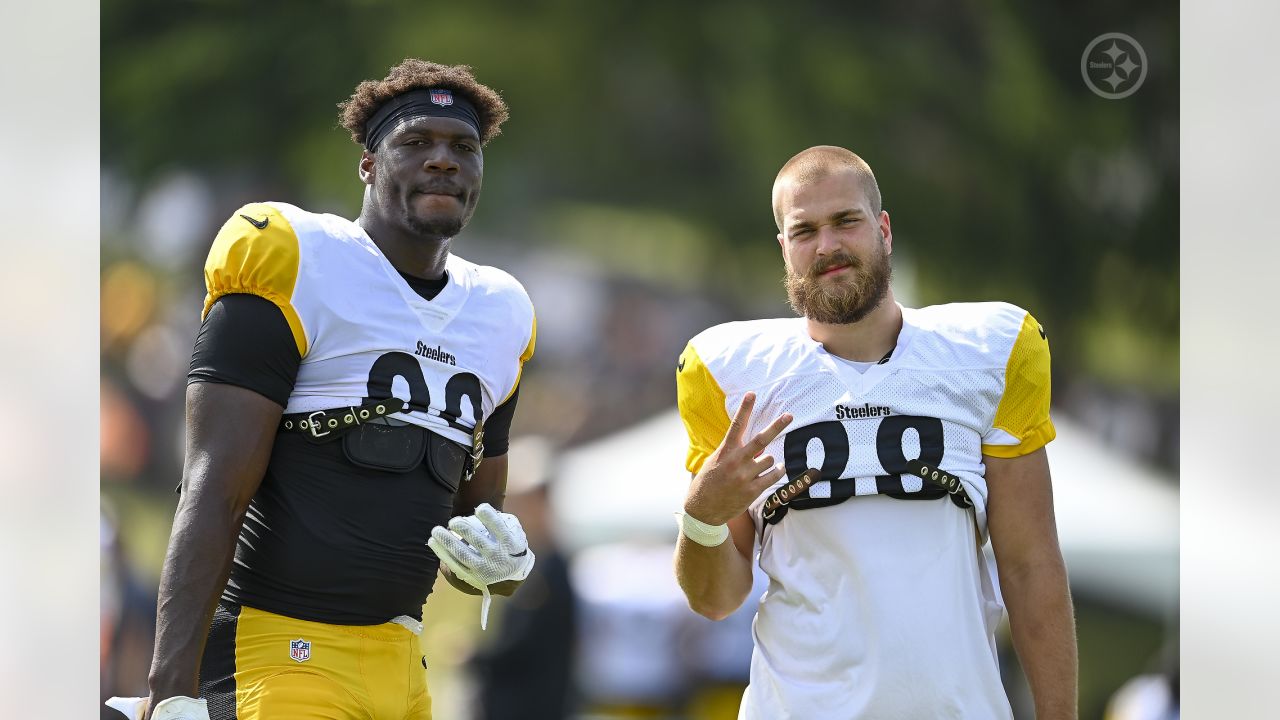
348	411
863	455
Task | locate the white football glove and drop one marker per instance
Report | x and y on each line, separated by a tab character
177	707
483	549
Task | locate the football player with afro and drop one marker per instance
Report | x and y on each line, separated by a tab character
348	411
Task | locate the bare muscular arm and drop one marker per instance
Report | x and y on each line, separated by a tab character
716	580
230	432
1033	580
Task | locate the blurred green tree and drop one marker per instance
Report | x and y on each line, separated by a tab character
1006	177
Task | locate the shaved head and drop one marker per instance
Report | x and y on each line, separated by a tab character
817	163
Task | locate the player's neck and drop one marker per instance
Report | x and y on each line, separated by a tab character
867	340
409	253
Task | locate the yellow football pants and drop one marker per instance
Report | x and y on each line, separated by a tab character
262	666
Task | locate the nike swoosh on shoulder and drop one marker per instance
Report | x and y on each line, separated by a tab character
522	553
260	224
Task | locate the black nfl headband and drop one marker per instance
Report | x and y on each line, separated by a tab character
433	102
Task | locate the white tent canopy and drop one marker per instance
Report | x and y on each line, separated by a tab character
1117	520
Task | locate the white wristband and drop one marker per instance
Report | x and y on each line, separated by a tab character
700	532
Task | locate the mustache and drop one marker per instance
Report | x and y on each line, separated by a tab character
837	259
439	187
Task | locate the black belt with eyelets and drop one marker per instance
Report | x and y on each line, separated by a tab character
942	479
325	425
477	452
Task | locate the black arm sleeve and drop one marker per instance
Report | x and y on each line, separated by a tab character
497	429
246	341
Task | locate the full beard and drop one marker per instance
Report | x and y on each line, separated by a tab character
841	301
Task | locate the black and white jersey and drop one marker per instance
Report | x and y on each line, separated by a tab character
324	538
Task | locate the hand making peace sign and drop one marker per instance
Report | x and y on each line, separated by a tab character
735	474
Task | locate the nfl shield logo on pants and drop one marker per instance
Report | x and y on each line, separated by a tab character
300	650
442	98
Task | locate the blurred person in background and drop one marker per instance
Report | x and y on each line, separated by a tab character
526	671
911	436
128	615
307	458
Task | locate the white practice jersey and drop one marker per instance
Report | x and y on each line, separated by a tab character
363	332
880	602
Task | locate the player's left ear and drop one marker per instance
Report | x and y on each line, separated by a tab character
366	168
887	230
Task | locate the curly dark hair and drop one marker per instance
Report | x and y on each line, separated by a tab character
412	74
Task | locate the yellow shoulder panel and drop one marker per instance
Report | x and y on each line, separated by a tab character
533	339
256	252
1024	408
701	403
524	357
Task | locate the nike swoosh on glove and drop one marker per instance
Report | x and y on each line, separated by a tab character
177	707
483	549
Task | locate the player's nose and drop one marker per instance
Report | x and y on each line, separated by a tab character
441	159
828	241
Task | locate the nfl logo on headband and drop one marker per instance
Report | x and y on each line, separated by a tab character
443	98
